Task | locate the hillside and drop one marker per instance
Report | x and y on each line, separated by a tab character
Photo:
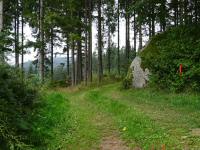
167	51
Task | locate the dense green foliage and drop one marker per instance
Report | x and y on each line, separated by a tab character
27	119
167	51
17	100
31	120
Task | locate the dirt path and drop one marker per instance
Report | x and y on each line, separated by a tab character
96	129
101	114
113	143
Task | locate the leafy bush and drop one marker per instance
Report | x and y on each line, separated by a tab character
170	49
17	100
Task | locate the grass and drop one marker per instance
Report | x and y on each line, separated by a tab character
53	122
86	135
176	114
91	124
140	129
79	118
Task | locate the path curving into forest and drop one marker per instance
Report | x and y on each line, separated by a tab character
108	118
96	128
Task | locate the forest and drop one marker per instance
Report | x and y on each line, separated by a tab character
99	74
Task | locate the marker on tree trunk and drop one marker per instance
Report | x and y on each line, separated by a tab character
181	70
163	147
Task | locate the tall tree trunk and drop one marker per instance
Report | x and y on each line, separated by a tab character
52	51
68	72
127	17
129	46
109	49
118	47
186	21
195	11
79	72
135	31
153	26
41	52
181	11
73	64
22	38
140	37
1	15
1	27
86	43
150	27
17	35
100	65
176	13
153	19
163	16
90	43
86	58
17	54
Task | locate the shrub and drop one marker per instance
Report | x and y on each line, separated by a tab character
167	51
17	100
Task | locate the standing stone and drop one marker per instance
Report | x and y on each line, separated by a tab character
140	77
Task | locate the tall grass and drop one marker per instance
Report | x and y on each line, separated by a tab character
53	122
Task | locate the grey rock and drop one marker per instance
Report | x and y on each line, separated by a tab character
140	76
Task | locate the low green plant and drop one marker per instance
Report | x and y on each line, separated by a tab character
17	100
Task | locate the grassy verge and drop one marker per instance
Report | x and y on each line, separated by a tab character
91	124
53	123
136	127
178	114
151	117
79	118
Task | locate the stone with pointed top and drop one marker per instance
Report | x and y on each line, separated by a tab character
140	76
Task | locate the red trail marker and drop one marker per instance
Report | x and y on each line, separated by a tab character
181	69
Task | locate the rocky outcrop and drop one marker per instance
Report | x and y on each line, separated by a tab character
140	76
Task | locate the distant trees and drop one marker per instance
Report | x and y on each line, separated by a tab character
71	21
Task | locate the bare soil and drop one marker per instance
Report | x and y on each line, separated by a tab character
113	143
